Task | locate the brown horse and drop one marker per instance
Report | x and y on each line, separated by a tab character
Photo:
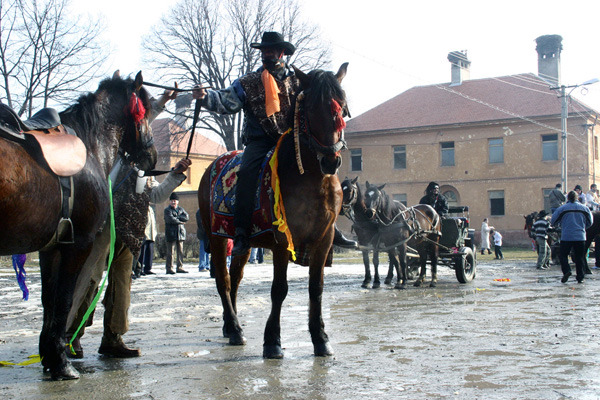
30	198
312	202
417	227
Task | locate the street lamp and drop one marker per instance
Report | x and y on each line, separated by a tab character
563	124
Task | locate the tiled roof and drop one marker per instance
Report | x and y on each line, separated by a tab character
473	101
169	137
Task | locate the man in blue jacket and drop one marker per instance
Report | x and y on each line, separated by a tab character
574	218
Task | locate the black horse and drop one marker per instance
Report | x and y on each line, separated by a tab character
353	207
112	119
401	227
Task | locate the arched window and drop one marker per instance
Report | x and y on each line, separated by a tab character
451	194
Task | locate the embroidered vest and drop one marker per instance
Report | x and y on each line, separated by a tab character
254	108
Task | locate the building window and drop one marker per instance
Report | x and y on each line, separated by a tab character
546	199
400	198
356	159
400	157
451	198
496	150
447	154
550	147
496	202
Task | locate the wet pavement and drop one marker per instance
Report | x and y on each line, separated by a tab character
530	338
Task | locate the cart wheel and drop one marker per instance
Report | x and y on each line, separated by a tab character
465	265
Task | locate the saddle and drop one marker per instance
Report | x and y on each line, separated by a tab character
62	150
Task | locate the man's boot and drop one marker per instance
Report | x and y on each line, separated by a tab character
341	241
241	242
112	346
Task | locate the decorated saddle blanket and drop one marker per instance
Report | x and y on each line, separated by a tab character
223	178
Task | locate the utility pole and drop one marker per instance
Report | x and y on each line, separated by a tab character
564	114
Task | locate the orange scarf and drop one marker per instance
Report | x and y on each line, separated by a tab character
271	93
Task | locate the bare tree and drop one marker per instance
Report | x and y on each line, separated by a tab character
45	54
207	42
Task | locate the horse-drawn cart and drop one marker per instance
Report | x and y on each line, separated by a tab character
456	248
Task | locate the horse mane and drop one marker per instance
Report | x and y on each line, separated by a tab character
89	114
324	86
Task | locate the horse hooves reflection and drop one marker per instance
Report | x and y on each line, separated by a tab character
65	373
272	351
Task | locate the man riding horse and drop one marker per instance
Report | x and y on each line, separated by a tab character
268	97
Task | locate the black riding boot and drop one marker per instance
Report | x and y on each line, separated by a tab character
241	242
340	240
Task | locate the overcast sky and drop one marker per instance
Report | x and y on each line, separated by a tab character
392	46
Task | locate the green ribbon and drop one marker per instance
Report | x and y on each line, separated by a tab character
111	252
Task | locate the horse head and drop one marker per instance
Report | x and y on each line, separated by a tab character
349	192
375	200
323	105
128	109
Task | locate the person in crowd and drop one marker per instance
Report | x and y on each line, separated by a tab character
557	198
540	233
132	195
175	218
485	237
435	199
591	198
203	255
574	218
267	97
497	237
580	195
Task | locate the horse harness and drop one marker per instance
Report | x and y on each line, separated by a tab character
408	219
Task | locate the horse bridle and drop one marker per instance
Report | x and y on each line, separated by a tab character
302	131
143	132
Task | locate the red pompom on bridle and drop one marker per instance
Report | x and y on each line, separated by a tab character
336	111
136	108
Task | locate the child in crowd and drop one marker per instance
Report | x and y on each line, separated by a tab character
497	244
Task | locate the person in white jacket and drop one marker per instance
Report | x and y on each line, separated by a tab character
485	236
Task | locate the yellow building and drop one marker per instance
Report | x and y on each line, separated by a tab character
492	144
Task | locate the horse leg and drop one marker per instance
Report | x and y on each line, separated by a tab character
236	273
433	256
390	274
376	281
60	269
279	290
367	280
401	268
231	326
316	326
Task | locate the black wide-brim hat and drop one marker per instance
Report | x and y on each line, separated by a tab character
274	39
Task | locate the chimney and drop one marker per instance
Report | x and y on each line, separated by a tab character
182	108
460	67
548	49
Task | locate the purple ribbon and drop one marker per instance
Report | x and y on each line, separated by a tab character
18	261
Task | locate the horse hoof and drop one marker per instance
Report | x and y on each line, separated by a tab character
400	286
272	351
433	284
323	350
376	285
237	339
418	283
365	285
65	373
388	281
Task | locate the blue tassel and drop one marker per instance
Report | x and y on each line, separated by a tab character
18	261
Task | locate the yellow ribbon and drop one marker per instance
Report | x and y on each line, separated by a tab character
278	208
35	358
271	93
